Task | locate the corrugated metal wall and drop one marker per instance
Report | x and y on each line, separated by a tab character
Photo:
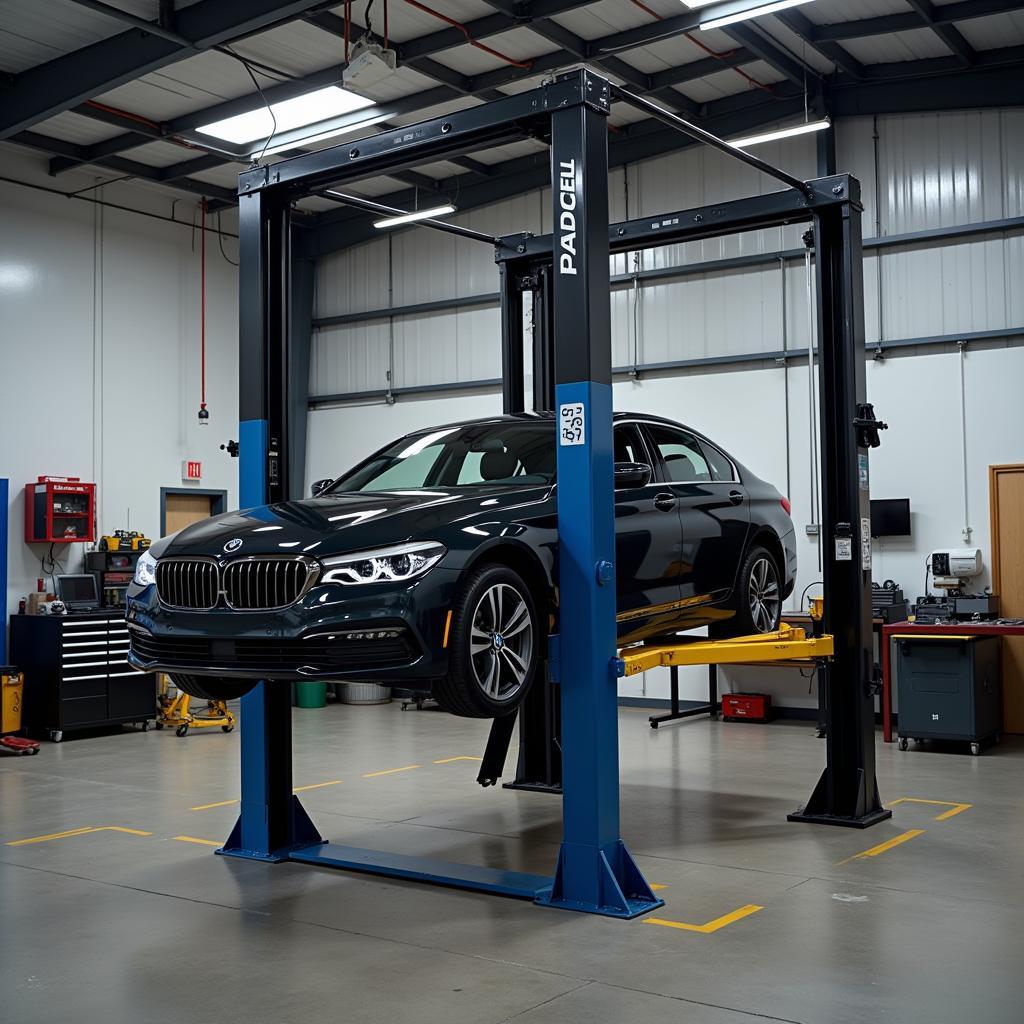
934	170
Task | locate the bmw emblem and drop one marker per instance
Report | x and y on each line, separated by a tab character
233	545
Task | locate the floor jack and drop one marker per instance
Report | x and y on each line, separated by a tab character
174	712
16	745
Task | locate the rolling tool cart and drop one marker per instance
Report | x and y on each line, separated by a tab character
950	689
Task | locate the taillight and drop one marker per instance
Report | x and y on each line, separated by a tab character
786	505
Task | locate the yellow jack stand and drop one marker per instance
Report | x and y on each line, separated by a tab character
174	712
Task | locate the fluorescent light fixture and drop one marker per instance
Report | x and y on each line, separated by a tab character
294	113
780	133
747	11
408	218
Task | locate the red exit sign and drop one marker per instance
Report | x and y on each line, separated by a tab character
191	470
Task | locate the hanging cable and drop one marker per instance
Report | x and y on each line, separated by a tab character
347	35
204	415
527	64
220	242
386	30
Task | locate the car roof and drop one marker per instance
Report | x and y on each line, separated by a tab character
528	417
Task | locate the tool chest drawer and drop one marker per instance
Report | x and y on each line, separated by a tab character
77	673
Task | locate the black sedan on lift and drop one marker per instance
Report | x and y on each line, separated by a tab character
434	562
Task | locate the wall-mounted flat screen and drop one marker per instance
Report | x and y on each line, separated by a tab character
890	517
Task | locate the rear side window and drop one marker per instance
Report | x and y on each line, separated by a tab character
628	446
721	467
681	454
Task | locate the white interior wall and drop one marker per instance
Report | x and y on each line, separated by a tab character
935	170
99	337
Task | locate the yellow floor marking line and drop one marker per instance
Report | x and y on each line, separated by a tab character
78	832
711	926
954	808
201	842
656	886
391	771
903	837
460	757
206	807
317	785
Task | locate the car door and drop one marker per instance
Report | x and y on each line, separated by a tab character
648	543
714	510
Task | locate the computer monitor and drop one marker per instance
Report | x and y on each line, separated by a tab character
77	591
890	517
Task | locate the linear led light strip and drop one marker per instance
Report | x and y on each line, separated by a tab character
733	12
780	133
408	218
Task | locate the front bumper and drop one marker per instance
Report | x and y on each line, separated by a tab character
379	632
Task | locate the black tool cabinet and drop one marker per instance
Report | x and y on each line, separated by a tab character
950	689
76	673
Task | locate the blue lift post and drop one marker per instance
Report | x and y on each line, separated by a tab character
594	871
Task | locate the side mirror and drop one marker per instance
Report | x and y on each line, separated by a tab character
631	474
319	486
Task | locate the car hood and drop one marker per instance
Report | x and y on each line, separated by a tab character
337	523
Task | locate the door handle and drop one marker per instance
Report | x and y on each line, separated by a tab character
664	502
736	497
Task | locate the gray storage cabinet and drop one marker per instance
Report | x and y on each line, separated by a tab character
950	689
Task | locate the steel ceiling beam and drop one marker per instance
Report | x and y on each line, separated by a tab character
68	80
757	41
950	35
131	168
886	23
799	23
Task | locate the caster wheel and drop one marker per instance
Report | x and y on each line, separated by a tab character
158	726
34	751
975	749
145	726
227	728
904	743
56	735
182	730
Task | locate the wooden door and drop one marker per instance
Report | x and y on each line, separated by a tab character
1006	500
181	510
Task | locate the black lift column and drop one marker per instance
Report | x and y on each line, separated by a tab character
847	792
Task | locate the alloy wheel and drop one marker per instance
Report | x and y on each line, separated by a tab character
764	595
501	642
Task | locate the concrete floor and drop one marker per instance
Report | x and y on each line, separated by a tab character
112	926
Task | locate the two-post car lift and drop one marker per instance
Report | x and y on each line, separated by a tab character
594	871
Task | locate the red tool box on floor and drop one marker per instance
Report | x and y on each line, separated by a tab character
748	707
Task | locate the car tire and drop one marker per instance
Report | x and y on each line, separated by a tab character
213	687
758	603
495	646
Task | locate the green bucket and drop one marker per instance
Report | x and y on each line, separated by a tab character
310	695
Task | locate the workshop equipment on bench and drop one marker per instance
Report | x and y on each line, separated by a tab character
175	712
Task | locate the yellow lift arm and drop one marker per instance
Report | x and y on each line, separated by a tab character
787	643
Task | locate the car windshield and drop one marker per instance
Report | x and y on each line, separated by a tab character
496	454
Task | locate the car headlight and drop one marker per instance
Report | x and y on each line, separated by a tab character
145	570
384	565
